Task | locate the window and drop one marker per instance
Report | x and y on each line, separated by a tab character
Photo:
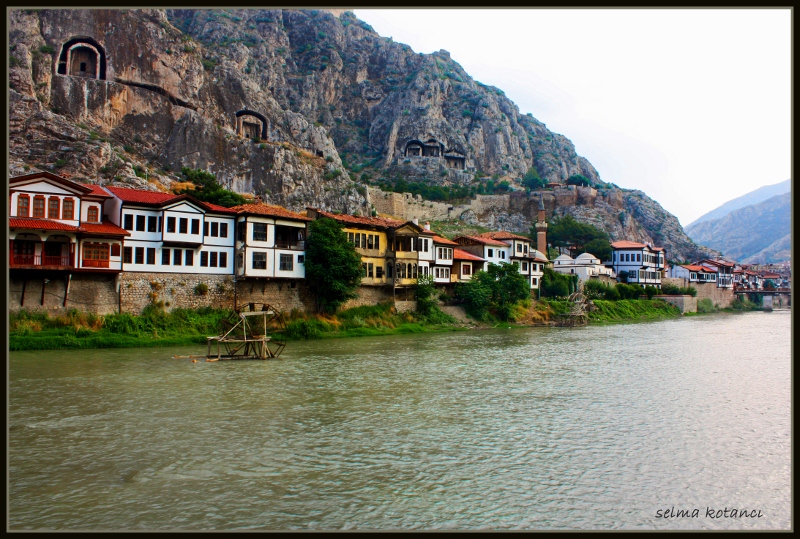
204	258
97	252
139	255
223	260
183	225
195	226
301	259
242	230
53	207
189	258
519	247
351	238
177	256
390	271
259	231
127	255
363	269
535	281
260	260
170	224
379	272
466	269
205	228
214	229
159	223
151	255
23	206
502	254
213	262
140	223
370	241
286	263
491	253
524	266
223	230
115	247
152	223
38	207
377	242
165	257
93	215
638	257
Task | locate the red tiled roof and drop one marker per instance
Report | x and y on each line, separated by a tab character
96	190
443	241
459	254
770	275
718	262
140	196
624	244
484	241
39	224
503	235
380	222
50	176
657	248
216	208
105	228
692	267
267	210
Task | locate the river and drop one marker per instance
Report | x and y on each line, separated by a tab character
599	427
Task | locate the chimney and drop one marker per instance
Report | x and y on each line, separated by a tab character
427	225
415	221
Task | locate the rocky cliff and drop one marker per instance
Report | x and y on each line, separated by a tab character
302	107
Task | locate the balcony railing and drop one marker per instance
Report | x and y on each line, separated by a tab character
293	245
95	263
39	260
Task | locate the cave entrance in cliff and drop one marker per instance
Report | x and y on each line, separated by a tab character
82	57
456	161
251	124
432	148
413	149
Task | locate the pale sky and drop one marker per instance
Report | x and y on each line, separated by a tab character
690	106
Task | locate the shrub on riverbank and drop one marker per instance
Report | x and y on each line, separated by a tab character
705	305
631	309
74	329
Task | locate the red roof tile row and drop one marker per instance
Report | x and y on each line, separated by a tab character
105	228
443	241
459	254
268	210
503	235
477	239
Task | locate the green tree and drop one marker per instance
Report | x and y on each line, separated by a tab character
579	179
423	294
574	235
207	189
599	247
333	267
555	285
508	286
532	180
476	295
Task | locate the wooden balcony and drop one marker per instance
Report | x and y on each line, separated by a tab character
41	262
291	245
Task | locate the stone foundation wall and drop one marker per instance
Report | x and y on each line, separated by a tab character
405	306
90	292
369	295
718	296
179	290
280	294
684	303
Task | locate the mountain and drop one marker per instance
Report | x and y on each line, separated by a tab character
301	107
757	231
753	197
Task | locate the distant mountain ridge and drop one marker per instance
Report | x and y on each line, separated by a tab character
753	197
759	231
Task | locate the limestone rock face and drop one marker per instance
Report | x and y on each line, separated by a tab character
301	107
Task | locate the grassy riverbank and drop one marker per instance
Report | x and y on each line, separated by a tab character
155	327
180	327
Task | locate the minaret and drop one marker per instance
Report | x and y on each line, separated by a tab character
541	229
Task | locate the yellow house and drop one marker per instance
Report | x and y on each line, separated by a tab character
369	236
390	249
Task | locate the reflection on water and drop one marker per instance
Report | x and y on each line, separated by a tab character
595	427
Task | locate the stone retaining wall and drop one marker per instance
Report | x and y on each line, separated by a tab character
684	303
721	297
88	292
